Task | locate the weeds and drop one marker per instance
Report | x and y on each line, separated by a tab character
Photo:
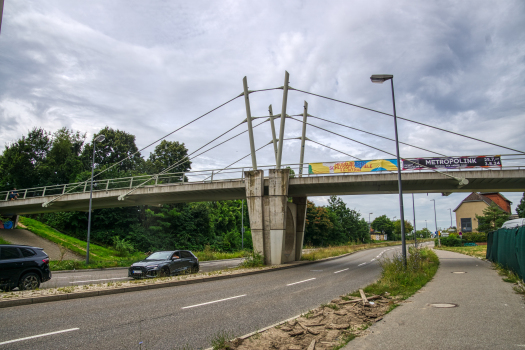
422	265
331	306
220	339
511	277
253	260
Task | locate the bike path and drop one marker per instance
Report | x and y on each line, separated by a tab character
489	313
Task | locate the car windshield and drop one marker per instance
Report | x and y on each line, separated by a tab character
159	256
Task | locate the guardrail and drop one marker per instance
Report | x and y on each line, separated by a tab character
213	175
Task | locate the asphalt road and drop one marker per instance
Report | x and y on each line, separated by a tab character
82	277
170	318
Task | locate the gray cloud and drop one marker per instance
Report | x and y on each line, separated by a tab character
150	67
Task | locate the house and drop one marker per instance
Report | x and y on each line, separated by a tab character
474	204
378	236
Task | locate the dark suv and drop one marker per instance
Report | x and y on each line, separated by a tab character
165	263
23	266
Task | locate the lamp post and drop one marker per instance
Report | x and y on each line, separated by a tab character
380	79
414	211
450	209
435	220
99	138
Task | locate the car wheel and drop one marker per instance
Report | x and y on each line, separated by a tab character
165	272
29	281
195	269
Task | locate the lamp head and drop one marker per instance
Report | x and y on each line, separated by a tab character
381	78
100	138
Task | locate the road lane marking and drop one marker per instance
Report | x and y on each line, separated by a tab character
38	336
73	276
373	259
104	279
215	301
291	284
340	271
362	264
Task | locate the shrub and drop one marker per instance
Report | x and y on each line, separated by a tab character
122	246
473	237
253	260
449	241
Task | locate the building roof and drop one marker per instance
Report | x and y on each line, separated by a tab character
479	197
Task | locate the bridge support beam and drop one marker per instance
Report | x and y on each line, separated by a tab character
277	225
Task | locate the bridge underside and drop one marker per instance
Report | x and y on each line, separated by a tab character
322	185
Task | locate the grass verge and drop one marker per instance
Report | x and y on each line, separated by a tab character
329	252
479	251
510	277
3	241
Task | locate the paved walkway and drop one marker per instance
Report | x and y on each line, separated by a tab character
19	236
490	315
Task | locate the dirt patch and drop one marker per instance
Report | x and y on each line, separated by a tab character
322	328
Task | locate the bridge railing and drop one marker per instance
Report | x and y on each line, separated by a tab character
214	175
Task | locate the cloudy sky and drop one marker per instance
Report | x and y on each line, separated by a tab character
149	67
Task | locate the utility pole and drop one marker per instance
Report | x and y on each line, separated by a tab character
435	220
414	211
242	225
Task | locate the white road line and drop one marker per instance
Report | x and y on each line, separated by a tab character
104	279
340	271
72	276
362	264
215	301
38	336
373	259
291	284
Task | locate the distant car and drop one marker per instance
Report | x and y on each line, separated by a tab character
514	223
165	263
23	266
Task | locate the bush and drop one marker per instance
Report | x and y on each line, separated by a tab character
253	260
451	241
473	237
122	246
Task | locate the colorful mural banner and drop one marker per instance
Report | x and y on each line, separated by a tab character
357	166
452	162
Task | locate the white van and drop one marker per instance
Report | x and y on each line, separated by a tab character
514	223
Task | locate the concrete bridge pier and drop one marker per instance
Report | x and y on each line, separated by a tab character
277	225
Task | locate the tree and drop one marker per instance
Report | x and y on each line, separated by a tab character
21	163
348	221
168	154
117	146
62	163
397	227
383	224
425	233
520	209
318	225
492	219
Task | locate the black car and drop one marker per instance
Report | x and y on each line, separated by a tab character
23	266
165	263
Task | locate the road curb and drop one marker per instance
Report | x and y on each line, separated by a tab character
161	284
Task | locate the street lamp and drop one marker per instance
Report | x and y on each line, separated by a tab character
99	138
450	209
380	79
435	220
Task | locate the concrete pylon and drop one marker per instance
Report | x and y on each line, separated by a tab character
277	225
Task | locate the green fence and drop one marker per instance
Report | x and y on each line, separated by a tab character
507	248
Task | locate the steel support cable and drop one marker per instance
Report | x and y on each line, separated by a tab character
371	133
333	149
45	204
364	144
122	197
406	119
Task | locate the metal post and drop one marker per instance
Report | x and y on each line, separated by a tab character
283	119
303	137
401	210
274	137
85	185
436	222
249	120
211	176
64	189
44	192
25	193
414	211
90	200
450	209
107	185
130	182
242	225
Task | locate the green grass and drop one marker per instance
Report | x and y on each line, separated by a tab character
511	277
329	252
479	251
208	254
422	265
3	241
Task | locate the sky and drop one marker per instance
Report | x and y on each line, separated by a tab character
149	67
